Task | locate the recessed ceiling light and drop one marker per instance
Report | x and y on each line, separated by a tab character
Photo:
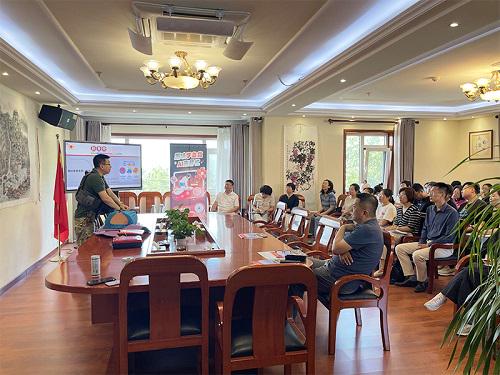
37	92
444	118
351	120
134	111
293	105
472	116
5	74
244	114
352	116
342	80
454	24
189	113
77	108
303	115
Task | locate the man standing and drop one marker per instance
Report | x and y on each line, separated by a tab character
357	252
440	221
96	186
227	201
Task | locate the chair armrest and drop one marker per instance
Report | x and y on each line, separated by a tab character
321	254
300	244
410	238
335	290
262	222
299	305
463	262
286	236
436	246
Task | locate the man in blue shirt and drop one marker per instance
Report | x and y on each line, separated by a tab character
357	252
439	225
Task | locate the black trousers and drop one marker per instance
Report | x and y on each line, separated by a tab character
463	284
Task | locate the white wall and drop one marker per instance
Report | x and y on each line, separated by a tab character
440	145
26	229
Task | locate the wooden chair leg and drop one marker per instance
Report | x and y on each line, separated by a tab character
384	328
430	285
204	359
260	371
357	313
288	369
310	364
332	329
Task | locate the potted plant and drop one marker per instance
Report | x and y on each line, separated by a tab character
180	226
482	307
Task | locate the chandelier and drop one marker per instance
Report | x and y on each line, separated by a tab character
486	89
181	76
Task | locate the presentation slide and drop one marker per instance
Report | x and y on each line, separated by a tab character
126	167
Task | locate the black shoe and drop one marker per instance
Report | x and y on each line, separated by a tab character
408	283
421	287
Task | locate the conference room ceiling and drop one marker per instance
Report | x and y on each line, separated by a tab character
80	53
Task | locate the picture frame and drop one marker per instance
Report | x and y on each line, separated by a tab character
481	145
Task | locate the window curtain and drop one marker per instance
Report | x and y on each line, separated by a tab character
223	161
404	151
79	132
240	161
255	154
93	131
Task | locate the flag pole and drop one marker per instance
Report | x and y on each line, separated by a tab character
58	257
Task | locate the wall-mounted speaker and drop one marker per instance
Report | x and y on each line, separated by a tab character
58	117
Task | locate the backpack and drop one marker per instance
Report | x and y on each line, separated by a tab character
397	274
86	199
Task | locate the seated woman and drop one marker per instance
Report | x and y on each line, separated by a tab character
289	198
349	201
457	198
386	211
263	204
407	221
328	203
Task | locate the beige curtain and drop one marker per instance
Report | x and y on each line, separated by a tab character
93	131
404	151
240	161
255	154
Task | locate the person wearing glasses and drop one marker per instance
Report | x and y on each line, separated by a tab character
95	186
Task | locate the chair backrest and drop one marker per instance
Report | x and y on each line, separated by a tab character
209	205
325	233
129	198
389	245
147	199
340	200
166	200
279	213
269	307
302	200
299	222
164	303
250	206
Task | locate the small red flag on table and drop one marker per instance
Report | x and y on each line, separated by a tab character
61	230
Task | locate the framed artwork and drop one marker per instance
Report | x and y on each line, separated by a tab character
481	145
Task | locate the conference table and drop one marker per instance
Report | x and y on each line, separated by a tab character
72	275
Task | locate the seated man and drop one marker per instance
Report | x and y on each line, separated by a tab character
227	201
263	204
357	252
439	225
422	202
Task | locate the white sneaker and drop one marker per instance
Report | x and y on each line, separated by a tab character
465	330
446	271
435	303
378	273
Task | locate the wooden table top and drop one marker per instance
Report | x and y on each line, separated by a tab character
72	275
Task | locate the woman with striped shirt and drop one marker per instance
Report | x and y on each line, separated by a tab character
407	221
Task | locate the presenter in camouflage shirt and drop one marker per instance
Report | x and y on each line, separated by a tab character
96	185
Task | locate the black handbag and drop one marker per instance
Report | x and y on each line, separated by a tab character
86	199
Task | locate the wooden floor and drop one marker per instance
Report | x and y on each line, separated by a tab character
48	332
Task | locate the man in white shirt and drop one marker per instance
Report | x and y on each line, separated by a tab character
227	201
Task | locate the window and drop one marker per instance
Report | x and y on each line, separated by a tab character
367	156
156	160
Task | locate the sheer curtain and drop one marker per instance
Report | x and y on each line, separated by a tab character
223	157
255	154
404	151
240	161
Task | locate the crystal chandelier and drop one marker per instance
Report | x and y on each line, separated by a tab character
181	75
486	89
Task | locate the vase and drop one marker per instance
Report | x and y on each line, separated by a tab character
180	244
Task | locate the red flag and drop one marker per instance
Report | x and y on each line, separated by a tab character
60	209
